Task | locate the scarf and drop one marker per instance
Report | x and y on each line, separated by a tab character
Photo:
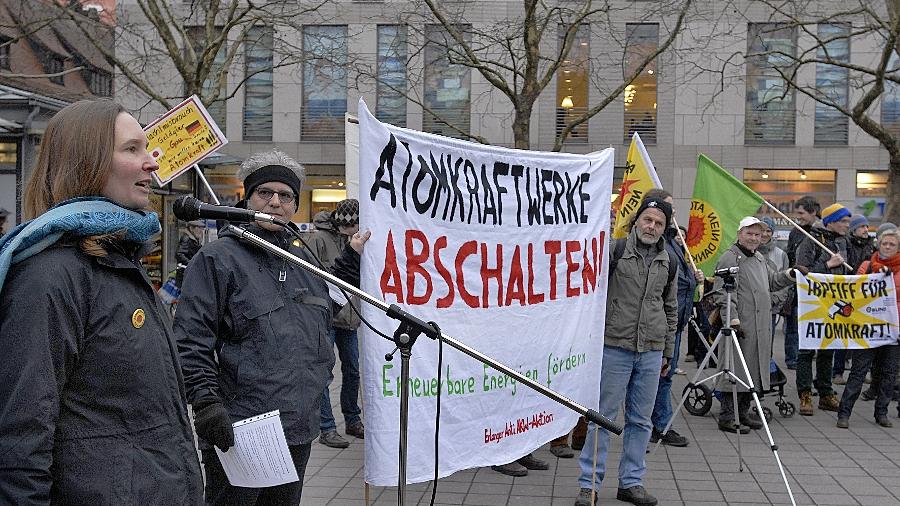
892	263
82	217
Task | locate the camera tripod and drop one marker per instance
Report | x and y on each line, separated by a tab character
728	342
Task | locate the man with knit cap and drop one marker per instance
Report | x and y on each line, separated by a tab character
859	248
333	231
812	258
252	332
639	340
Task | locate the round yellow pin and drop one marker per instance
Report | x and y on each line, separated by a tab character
137	318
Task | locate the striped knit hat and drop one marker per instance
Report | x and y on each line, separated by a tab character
833	213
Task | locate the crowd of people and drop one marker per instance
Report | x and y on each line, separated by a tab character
97	407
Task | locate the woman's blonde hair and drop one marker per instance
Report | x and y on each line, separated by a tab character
74	160
75	156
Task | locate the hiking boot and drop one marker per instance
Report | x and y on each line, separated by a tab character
729	426
511	469
562	451
843	423
671	438
533	463
636	495
829	402
584	497
838	380
806	405
868	394
883	421
356	429
332	439
752	420
579	433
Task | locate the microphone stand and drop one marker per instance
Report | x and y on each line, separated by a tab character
409	329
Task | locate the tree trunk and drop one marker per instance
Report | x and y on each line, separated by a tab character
892	201
522	128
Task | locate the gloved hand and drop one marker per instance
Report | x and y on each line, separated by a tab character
213	423
803	270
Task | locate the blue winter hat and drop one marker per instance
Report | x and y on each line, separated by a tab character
833	213
769	222
857	221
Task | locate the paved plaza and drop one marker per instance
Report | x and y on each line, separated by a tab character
825	465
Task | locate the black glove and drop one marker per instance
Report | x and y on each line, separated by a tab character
213	424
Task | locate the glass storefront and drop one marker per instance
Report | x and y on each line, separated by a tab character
783	187
871	191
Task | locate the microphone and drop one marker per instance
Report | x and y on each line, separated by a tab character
188	208
726	272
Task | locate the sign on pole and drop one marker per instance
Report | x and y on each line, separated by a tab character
182	137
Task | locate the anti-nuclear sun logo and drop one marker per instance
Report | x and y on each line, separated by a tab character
704	231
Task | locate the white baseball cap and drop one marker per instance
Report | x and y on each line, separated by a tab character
748	222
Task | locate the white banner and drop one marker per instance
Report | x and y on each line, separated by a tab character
853	312
507	251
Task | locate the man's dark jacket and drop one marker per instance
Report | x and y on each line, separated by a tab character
253	342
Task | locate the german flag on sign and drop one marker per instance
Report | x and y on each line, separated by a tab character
193	127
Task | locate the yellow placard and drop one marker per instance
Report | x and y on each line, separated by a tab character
182	137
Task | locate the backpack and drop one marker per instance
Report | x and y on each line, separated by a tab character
619	249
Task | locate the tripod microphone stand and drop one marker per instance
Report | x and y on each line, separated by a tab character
730	345
405	337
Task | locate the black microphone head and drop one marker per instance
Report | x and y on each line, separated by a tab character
186	208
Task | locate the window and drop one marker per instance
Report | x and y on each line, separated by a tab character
258	87
217	110
447	85
572	84
769	114
98	81
324	83
890	104
871	195
832	83
641	40
783	187
390	102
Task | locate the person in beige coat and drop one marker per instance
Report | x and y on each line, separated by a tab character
751	306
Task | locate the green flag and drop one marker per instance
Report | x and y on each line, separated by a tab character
717	206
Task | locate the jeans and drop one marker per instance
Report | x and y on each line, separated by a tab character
348	351
840	359
632	377
791	338
219	492
860	361
662	409
824	359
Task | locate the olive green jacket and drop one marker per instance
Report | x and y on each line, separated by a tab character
640	314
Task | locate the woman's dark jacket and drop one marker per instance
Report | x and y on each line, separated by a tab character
92	403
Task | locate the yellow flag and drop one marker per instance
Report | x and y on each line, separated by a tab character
640	176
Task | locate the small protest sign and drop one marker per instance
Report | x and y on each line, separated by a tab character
838	312
182	137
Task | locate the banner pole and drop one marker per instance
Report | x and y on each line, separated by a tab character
206	184
807	234
684	243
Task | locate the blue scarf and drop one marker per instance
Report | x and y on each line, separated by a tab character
82	216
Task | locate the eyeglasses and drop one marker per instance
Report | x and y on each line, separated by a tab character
267	194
